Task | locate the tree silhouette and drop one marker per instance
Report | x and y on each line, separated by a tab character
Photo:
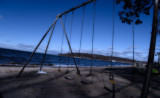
132	9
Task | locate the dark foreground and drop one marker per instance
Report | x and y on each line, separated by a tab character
55	85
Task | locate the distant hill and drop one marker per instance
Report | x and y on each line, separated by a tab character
101	57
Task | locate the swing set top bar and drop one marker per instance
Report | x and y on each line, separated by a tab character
74	8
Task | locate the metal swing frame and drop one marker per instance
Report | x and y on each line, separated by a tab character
151	51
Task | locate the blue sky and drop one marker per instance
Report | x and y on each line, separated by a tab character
24	22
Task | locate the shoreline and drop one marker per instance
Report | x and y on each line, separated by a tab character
56	65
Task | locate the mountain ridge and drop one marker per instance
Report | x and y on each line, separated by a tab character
101	57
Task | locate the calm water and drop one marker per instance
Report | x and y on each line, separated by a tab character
8	56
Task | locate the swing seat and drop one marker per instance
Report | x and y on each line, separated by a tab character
88	75
106	88
79	75
59	71
112	81
41	72
69	78
84	82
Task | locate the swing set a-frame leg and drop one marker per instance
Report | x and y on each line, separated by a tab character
78	71
37	47
47	47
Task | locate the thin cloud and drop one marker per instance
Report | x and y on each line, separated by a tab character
8	41
25	46
41	49
128	53
30	48
54	52
7	46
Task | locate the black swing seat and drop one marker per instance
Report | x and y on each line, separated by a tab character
114	84
69	78
90	74
106	88
60	71
86	82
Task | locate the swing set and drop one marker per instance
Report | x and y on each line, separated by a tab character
51	28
